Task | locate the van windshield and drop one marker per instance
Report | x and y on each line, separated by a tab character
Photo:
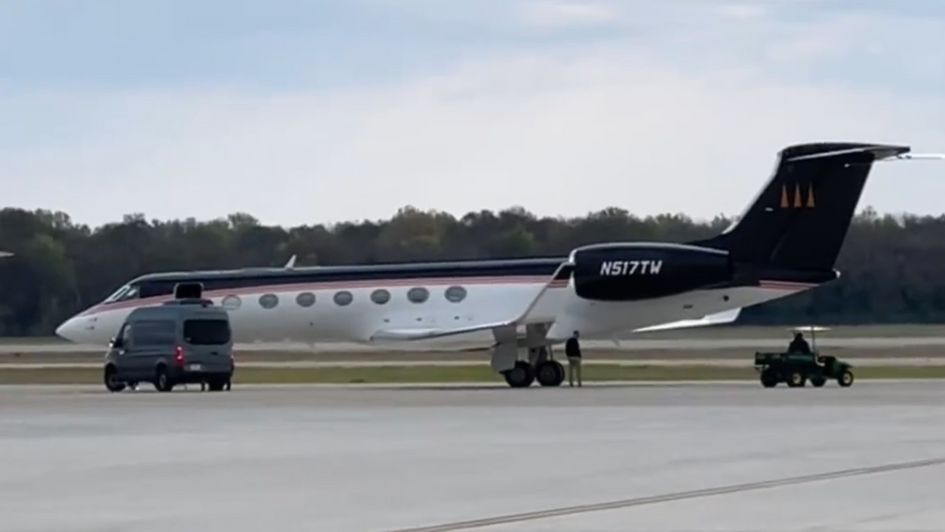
206	332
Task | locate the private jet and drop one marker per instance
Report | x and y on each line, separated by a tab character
785	242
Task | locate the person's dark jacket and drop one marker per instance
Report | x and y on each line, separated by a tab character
572	348
799	345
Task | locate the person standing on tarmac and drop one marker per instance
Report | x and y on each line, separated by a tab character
573	351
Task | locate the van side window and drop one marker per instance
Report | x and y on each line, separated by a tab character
154	332
206	332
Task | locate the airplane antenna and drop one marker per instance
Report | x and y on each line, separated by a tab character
291	264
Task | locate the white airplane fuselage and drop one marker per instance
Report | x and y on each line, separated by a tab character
484	302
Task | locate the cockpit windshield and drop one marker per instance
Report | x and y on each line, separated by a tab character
124	293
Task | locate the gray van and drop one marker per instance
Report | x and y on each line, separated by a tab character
181	341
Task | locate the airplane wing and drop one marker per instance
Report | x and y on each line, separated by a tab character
407	334
718	318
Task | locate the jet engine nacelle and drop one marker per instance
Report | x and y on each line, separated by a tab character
624	272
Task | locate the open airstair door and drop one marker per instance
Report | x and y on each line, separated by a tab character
499	328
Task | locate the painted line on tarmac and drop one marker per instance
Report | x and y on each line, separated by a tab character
677	496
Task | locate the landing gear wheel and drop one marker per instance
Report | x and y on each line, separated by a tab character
769	379
550	373
845	379
162	381
796	380
817	382
562	373
111	383
521	376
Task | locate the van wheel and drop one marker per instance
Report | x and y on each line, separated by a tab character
162	381
216	385
817	382
112	384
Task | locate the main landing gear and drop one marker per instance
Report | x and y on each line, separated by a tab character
542	367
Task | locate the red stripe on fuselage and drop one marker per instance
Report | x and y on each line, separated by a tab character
337	285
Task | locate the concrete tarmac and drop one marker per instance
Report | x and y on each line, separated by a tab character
657	457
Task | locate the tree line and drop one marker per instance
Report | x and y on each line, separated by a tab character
892	265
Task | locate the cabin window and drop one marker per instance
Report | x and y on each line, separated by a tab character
268	301
380	296
418	294
305	299
343	298
455	294
232	302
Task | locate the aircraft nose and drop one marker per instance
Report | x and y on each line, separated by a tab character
68	329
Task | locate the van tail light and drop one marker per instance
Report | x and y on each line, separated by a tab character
179	356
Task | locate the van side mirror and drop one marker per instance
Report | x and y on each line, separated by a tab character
116	343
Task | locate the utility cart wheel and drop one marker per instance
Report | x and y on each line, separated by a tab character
796	379
769	379
845	379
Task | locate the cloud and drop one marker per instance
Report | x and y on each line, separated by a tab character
557	135
743	11
562	14
684	117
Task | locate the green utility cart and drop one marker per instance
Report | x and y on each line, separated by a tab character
796	369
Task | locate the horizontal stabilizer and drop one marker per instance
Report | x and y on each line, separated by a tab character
916	157
719	318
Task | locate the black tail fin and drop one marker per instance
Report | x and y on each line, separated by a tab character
801	217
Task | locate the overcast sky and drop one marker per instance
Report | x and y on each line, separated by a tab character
307	112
